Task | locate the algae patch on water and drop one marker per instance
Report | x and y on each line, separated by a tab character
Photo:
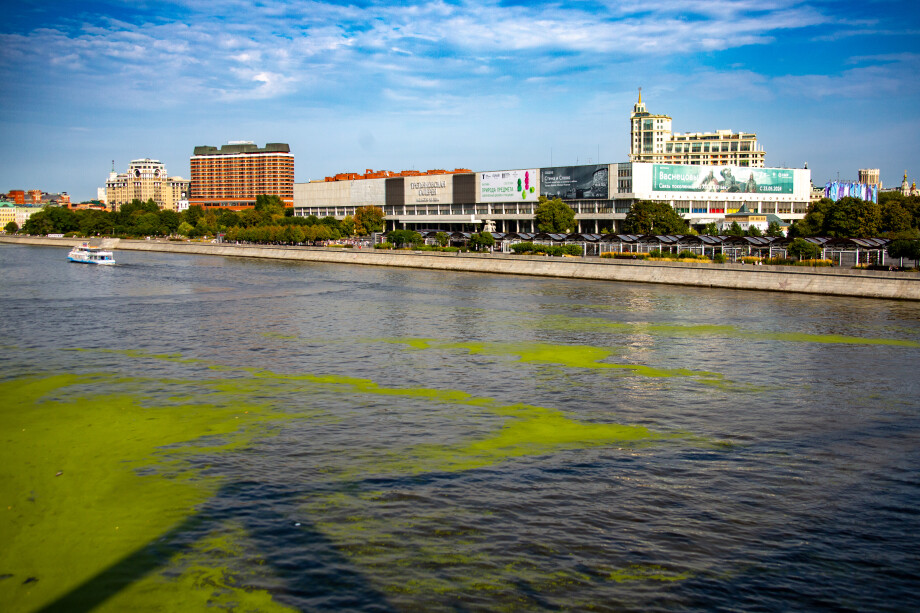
207	575
73	500
567	323
567	356
526	431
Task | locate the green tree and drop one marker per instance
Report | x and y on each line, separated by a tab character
404	237
853	218
269	205
813	223
442	239
754	231
895	217
904	248
185	229
227	219
147	224
38	223
11	228
803	250
192	214
368	219
774	229
647	217
554	216
845	218
348	225
482	241
711	229
135	206
734	230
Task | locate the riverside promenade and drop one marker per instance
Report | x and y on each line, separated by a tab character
824	281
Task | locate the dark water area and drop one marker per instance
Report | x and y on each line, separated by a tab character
190	433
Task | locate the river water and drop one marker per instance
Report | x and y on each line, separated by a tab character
181	433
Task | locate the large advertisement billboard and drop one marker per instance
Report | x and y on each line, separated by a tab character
721	179
575	182
508	186
835	190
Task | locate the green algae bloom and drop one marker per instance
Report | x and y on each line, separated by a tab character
568	323
99	473
73	496
566	356
647	572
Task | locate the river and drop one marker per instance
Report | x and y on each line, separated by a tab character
188	432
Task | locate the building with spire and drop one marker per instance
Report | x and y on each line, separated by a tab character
651	140
907	189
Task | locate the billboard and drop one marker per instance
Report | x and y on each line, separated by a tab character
575	182
835	190
721	179
508	186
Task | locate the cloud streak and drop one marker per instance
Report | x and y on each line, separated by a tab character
233	51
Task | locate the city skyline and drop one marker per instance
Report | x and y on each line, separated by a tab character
485	85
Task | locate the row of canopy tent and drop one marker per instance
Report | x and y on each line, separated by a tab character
841	250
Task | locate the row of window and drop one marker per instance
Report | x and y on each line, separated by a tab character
695	147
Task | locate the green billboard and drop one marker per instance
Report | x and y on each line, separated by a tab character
681	178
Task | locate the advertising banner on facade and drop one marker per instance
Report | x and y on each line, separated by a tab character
508	186
575	182
835	190
729	179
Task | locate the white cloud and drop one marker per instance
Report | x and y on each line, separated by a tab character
294	43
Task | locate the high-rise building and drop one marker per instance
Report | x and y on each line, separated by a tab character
239	171
145	180
651	140
870	176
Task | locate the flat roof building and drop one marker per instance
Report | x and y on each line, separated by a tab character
232	176
600	194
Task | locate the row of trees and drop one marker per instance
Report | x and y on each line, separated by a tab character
269	217
894	216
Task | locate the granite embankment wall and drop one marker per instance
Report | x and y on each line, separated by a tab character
826	281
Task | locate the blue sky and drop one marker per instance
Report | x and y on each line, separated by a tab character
482	85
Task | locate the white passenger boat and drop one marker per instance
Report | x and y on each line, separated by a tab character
85	254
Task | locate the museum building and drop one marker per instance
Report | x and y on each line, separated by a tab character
600	194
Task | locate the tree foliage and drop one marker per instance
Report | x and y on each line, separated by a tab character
269	205
845	218
368	219
904	248
734	230
803	249
554	216
481	241
404	237
647	217
11	228
774	230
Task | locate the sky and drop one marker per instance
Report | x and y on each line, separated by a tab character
484	85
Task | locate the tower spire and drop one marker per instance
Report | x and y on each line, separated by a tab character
640	95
